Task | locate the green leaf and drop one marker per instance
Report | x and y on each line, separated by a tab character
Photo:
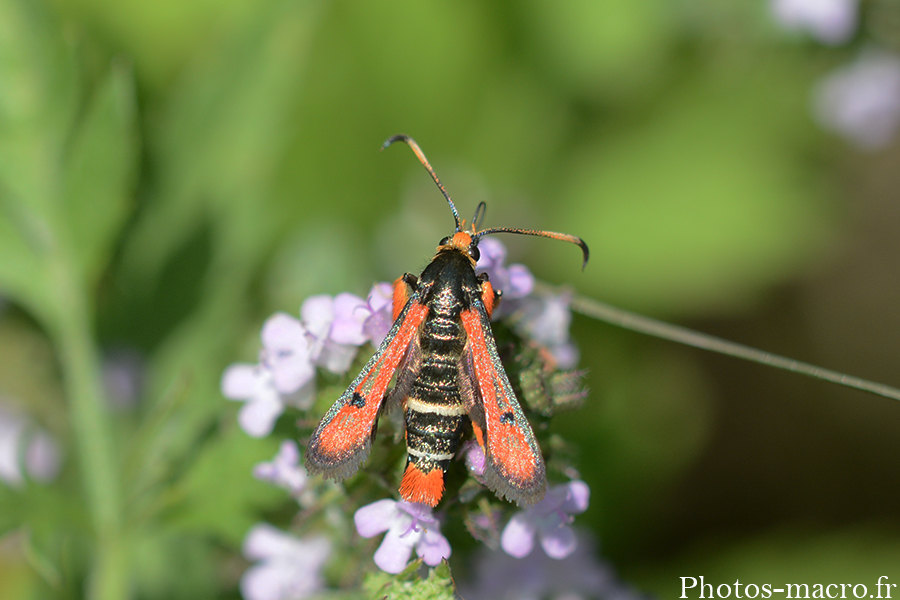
65	173
10	505
218	141
215	145
160	36
219	493
99	173
39	97
158	554
409	585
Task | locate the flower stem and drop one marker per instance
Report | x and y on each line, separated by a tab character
93	435
682	335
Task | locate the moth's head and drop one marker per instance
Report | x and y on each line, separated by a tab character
463	242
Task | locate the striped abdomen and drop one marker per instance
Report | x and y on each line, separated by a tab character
434	408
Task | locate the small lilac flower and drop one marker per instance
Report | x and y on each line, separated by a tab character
123	373
12	430
340	325
549	519
521	281
255	385
23	444
287	352
474	457
409	526
515	281
284	470
379	305
829	21
350	314
861	101
321	319
288	567
42	457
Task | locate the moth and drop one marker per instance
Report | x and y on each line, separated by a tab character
442	356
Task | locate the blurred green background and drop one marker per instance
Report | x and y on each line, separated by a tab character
173	172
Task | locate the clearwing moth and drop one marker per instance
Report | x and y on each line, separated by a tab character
441	353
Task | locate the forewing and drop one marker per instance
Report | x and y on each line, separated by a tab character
343	438
514	466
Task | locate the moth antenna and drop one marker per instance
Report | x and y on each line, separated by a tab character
565	237
422	159
479	215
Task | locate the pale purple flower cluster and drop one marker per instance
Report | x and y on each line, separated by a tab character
831	22
581	575
409	526
861	101
287	567
327	335
26	450
549	521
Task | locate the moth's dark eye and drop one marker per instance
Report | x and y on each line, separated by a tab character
475	253
444	241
